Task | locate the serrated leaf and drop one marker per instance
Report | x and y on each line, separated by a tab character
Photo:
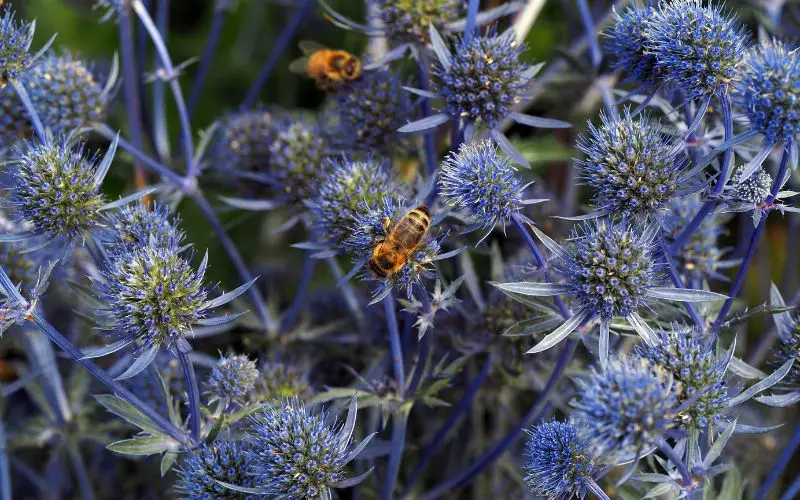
123	409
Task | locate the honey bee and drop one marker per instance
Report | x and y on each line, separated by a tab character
402	239
329	68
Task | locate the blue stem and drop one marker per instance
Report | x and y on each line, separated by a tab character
277	51
40	353
5	470
174	85
430	134
472	17
398	420
32	114
84	484
793	491
467	475
751	247
591	33
130	79
192	392
727	122
207	58
290	318
669	451
463	405
693	225
139	156
160	129
399	426
230	248
394	344
677	282
783	460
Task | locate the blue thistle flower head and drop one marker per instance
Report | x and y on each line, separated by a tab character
768	91
222	461
627	41
369	110
626	408
137	225
409	20
57	189
350	188
698	49
558	459
483	79
371	226
233	378
482	183
298	453
788	346
631	165
297	155
15	43
690	358
152	297
14	122
66	93
278	381
700	256
245	142
608	269
750	191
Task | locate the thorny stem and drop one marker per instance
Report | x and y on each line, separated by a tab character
394	344
399	426
398	419
290	318
206	59
192	392
751	247
793	491
463	405
160	130
677	282
277	51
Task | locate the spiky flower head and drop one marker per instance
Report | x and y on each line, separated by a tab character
483	79
482	183
769	91
65	93
630	163
369	110
152	296
608	268
788	346
628	43
351	188
138	225
701	255
14	122
698	49
245	143
297	156
233	378
370	228
558	460
222	461
300	454
409	20
279	381
57	189
15	42
626	408
690	358
753	190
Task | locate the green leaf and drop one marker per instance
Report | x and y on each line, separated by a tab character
243	413
123	409
145	445
167	461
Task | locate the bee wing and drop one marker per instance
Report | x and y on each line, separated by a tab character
299	66
309	46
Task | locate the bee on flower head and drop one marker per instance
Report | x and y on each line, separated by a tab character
402	238
329	68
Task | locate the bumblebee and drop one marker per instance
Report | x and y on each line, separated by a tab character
329	68
393	252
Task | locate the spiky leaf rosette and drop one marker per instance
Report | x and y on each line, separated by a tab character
409	20
65	93
56	189
690	358
137	225
15	41
630	164
484	79
608	269
627	41
558	460
369	110
297	155
244	146
626	408
753	190
769	91
219	461
698	49
152	296
14	122
482	183
233	378
279	381
351	188
299	453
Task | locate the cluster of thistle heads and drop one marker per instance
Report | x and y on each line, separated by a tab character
462	284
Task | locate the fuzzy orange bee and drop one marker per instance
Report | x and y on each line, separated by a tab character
329	68
393	252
